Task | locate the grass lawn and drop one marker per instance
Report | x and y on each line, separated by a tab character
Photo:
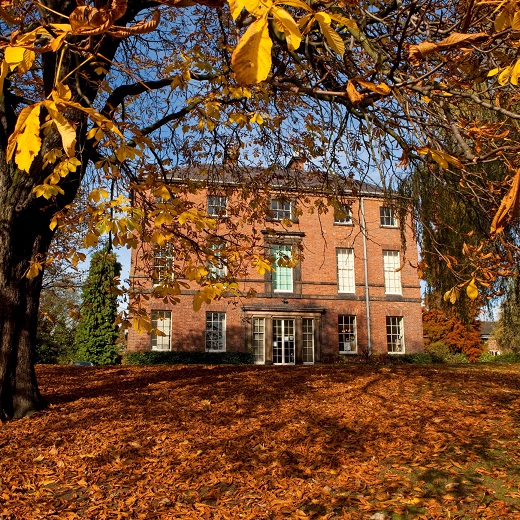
304	442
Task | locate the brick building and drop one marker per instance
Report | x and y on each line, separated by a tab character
343	284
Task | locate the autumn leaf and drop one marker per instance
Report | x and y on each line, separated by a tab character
66	130
331	36
379	88
26	137
423	49
251	59
33	271
509	207
443	159
288	26
352	93
472	290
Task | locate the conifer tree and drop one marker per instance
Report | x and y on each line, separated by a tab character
507	329
96	334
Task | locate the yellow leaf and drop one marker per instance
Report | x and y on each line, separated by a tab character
66	130
354	96
61	92
503	20
39	458
163	193
322	17
251	59
261	265
493	72
91	240
515	73
13	56
503	77
472	290
347	22
303	21
439	158
451	295
3	74
380	88
33	272
56	43
28	142
235	6
515	24
258	119
289	27
197	302
333	38
141	324
47	190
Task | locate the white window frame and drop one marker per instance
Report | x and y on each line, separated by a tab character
392	272
395	334
215	333
216	268
347	219
282	273
162	321
163	264
387	217
345	270
308	341
258	339
282	209
217	206
347	334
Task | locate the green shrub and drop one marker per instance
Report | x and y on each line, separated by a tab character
188	358
486	357
459	357
420	358
439	352
509	357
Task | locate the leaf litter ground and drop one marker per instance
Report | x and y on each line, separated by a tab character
246	442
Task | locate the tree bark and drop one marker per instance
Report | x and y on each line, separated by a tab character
24	235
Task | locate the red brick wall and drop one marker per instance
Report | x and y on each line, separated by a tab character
318	289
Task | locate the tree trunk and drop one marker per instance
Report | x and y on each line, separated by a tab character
24	236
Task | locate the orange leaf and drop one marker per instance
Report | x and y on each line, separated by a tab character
354	96
509	207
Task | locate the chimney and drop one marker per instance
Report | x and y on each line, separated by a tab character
297	163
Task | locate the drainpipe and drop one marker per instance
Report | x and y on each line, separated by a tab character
365	266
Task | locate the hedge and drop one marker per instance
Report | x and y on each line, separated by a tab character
188	358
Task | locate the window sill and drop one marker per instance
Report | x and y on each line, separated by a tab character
348	352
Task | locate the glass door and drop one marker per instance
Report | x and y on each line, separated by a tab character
283	342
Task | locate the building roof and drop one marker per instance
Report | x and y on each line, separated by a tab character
486	328
294	179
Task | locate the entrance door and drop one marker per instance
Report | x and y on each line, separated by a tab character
283	342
